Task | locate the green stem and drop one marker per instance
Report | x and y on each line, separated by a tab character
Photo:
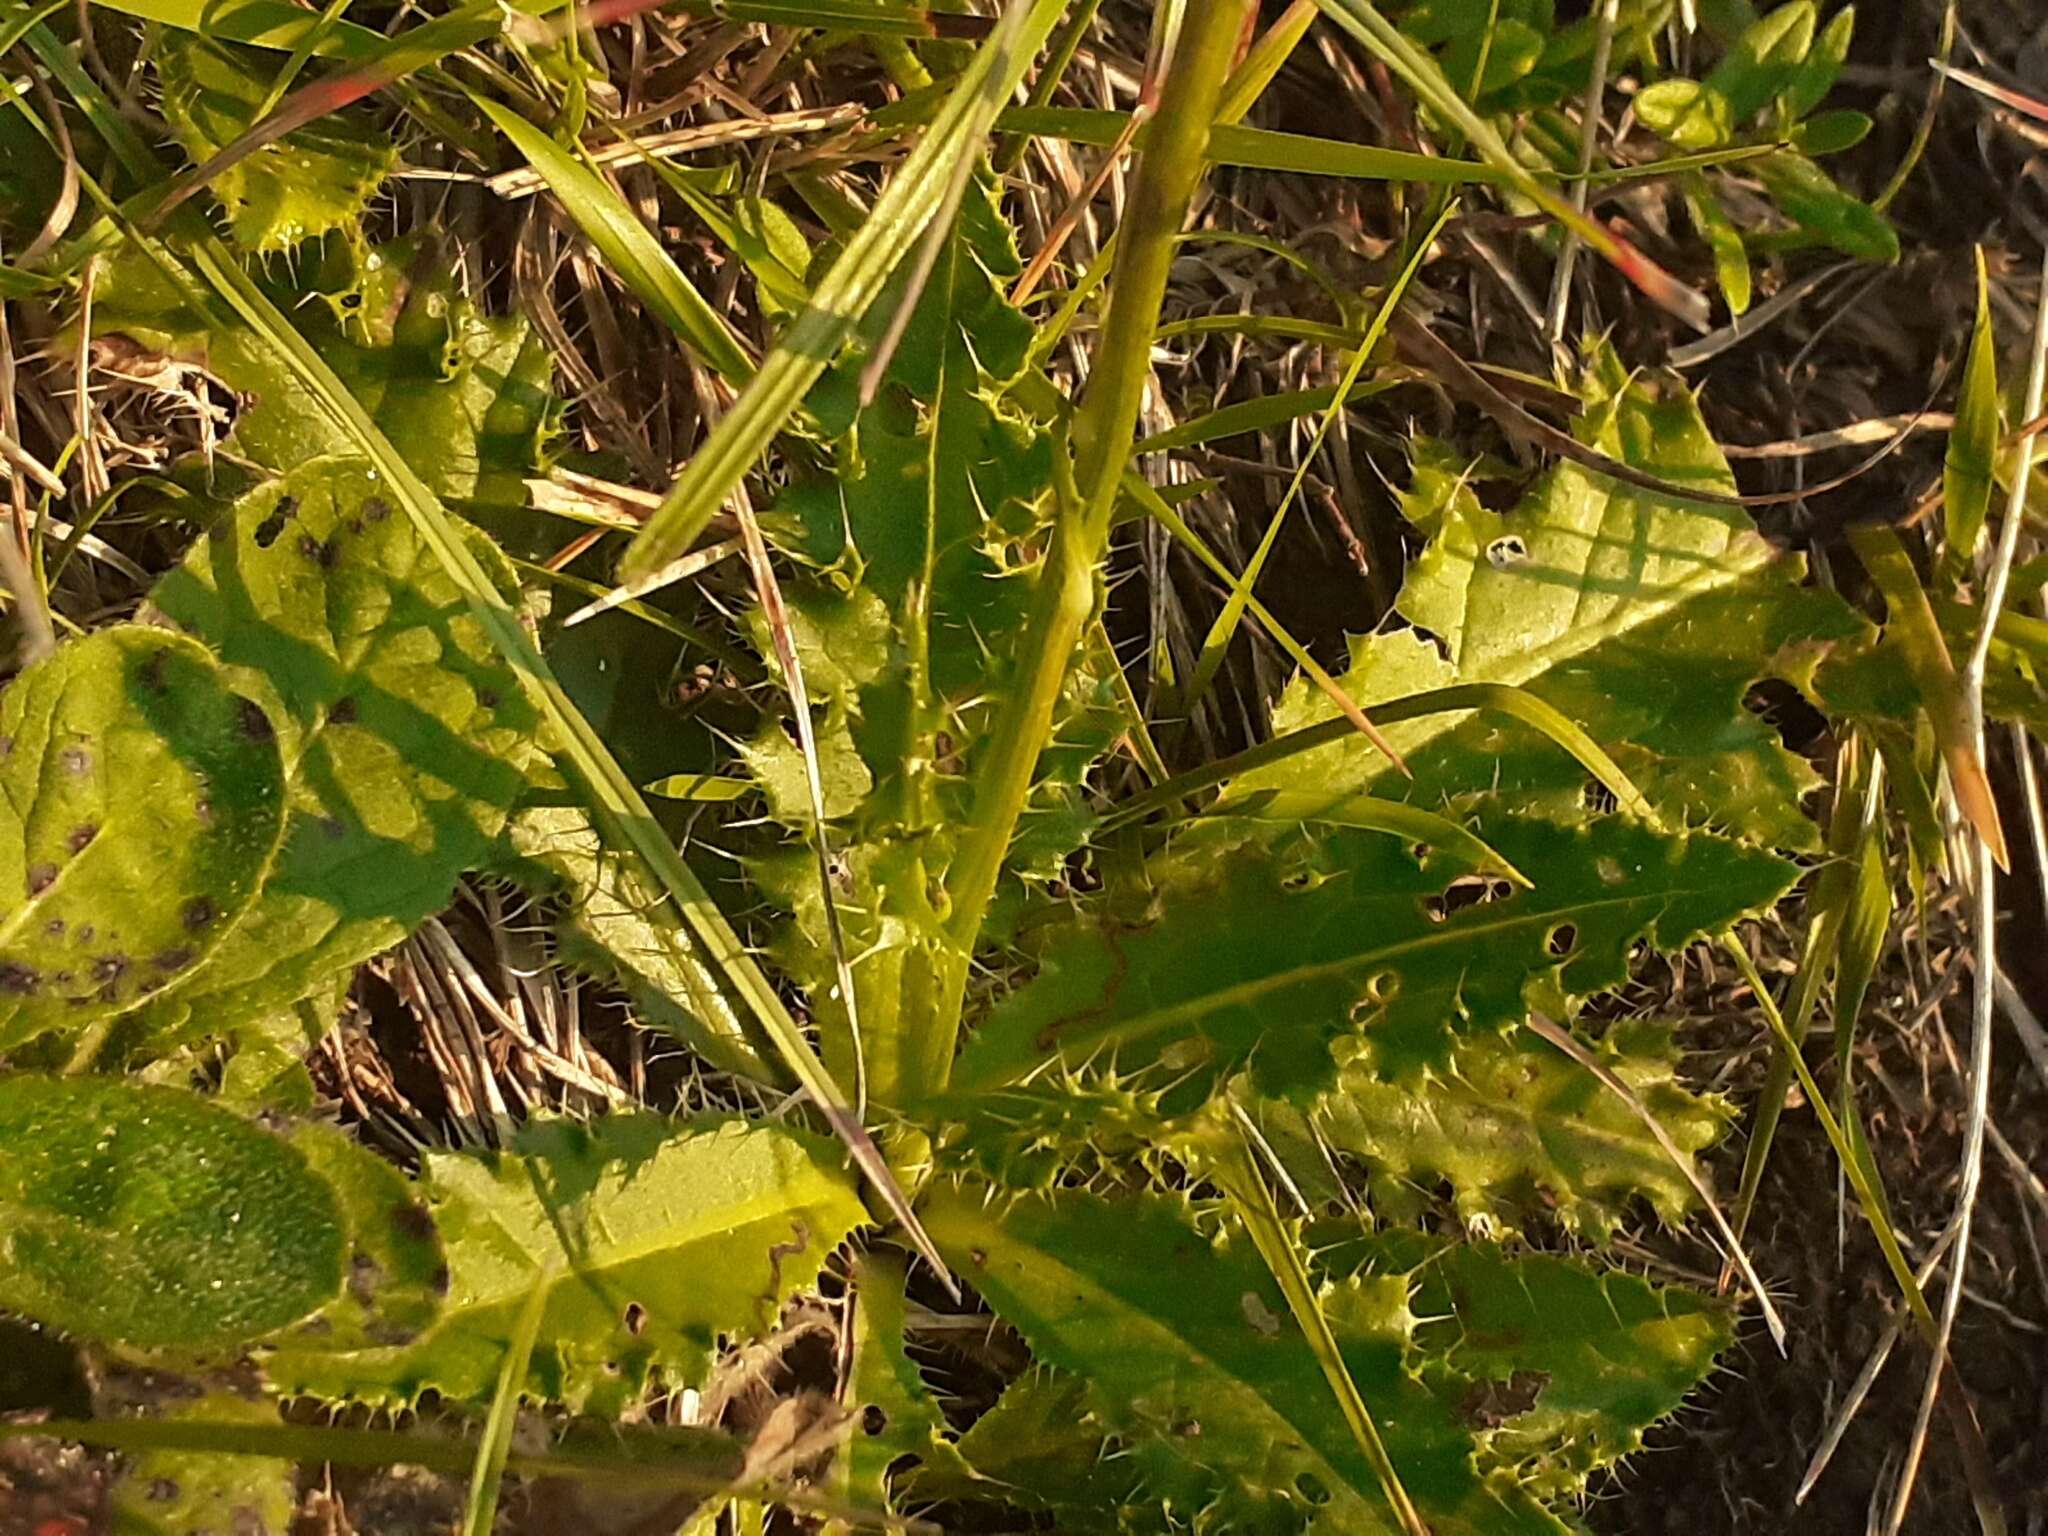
1104	427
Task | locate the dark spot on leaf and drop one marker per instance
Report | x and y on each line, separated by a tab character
1189	1429
109	969
376	508
326	556
440	1280
6	746
174	959
487	697
412	1221
199	913
63	978
75	760
268	530
81	836
162	1490
40	878
54	928
979	1256
151	673
355	525
873	1420
363	1276
19	980
335	828
87	934
255	724
343	713
1490	1404
1311	1488
636	1318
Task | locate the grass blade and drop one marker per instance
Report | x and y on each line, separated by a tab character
913	196
1253	1203
1404	58
1967	471
628	247
480	1510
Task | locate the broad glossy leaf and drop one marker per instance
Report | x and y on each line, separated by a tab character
1273	958
1189	1359
151	1218
1642	619
1686	113
664	1236
142	807
405	732
1520	1132
315	180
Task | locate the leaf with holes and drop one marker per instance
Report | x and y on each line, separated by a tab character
315	180
143	805
151	1218
1277	958
404	732
195	1493
664	1237
1644	620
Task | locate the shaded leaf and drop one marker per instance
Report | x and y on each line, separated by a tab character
142	807
666	1237
1811	199
404	731
1972	456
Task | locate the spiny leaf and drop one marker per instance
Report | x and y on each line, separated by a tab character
666	1237
1183	1341
316	180
1275	957
404	730
142	807
149	1217
1642	619
898	1429
1519	1132
463	396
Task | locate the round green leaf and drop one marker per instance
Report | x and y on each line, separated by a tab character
149	1217
140	803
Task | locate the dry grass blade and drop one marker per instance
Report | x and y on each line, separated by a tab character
1561	1038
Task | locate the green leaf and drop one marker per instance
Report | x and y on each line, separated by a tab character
1644	620
1766	60
142	809
1973	441
1816	74
1829	133
151	1218
1731	257
202	1493
1183	1342
665	1236
1274	958
1041	1447
463	397
1686	113
405	733
1810	198
315	180
1521	1133
629	249
898	1430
